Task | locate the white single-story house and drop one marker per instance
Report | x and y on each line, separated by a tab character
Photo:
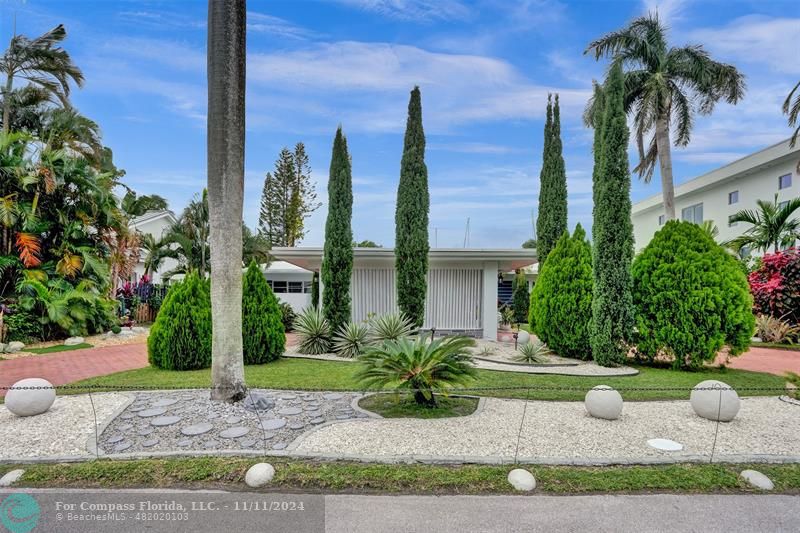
462	284
153	223
290	283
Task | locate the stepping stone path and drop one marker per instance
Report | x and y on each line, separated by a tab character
158	422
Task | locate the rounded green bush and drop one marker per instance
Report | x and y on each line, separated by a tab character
263	336
561	301
180	338
690	297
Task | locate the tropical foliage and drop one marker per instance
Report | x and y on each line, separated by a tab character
552	220
665	87
263	336
425	367
791	108
773	225
691	298
771	329
351	339
532	353
313	331
561	300
389	327
775	286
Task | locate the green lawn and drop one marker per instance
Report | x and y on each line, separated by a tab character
296	475
59	348
404	406
789	347
330	375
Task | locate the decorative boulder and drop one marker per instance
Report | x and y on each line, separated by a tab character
15	346
603	402
756	479
30	401
714	400
259	475
522	480
73	341
523	337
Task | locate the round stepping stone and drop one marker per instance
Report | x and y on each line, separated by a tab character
233	420
296	425
235	432
316	421
149	443
126	416
145	431
158	411
289	411
210	444
197	429
279	446
665	445
165	420
311	407
122	446
137	408
273	423
268	434
333	396
115	439
258	402
185	442
125	427
165	402
314	414
246	443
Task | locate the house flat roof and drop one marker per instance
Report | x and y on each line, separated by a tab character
310	258
744	166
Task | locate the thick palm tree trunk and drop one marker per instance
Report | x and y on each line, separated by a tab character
226	87
665	161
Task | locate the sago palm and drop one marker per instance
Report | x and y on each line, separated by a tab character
665	88
42	62
419	366
773	226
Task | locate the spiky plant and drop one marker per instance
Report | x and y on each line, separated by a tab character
351	339
418	366
313	331
486	350
390	327
533	353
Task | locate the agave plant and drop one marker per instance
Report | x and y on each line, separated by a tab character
313	331
771	329
532	353
351	339
390	327
418	365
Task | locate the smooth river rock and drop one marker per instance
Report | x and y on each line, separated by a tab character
521	480
715	400
259	475
31	401
603	402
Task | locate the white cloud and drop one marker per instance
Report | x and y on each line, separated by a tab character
419	10
475	148
668	10
263	23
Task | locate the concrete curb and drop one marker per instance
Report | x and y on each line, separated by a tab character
91	441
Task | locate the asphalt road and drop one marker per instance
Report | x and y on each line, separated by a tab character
212	512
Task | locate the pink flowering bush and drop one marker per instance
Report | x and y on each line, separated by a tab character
776	286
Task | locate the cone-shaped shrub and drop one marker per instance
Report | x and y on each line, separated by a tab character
262	320
180	338
561	300
521	298
690	298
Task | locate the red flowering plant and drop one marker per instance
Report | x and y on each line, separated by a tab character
775	286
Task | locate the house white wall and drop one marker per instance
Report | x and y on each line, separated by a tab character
755	177
286	280
155	224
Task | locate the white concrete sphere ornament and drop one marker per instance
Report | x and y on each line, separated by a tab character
714	400
603	402
31	401
522	480
523	337
259	475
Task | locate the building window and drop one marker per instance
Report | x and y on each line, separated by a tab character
782	205
279	287
295	286
661	219
731	223
307	286
693	213
785	181
733	197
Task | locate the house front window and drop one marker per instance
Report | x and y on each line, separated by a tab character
783	204
661	219
733	197
693	213
785	181
279	287
731	223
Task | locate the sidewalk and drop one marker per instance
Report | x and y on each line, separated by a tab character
770	360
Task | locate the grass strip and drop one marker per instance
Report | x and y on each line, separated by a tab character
59	348
343	477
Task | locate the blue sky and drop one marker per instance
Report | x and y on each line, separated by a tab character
484	68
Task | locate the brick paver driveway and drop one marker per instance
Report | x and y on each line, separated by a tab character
768	360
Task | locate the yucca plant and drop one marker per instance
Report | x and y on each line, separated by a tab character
771	329
419	365
532	353
313	331
351	339
389	327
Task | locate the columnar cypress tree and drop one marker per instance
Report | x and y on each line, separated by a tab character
612	302
521	298
263	336
315	290
411	218
337	260
552	220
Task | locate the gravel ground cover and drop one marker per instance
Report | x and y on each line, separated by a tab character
166	421
62	431
563	432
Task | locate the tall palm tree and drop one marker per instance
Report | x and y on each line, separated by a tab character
226	91
65	128
792	110
772	226
665	87
43	63
134	205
